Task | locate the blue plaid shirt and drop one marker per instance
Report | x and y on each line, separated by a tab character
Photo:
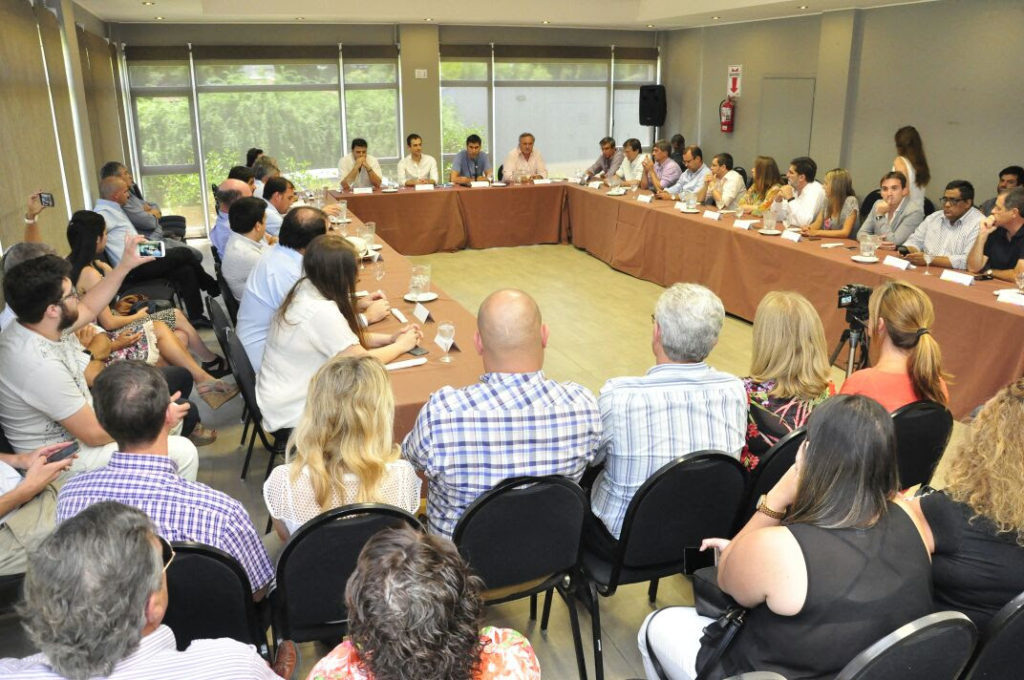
181	510
507	425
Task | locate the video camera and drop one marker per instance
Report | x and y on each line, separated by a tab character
853	297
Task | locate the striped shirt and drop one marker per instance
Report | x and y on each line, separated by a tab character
180	509
157	657
653	419
938	236
507	425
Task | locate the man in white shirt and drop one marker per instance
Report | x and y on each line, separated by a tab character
524	163
417	167
245	245
723	186
359	169
279	194
893	216
801	200
631	171
947	234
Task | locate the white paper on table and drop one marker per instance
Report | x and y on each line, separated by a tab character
793	236
595	185
712	215
421	312
407	363
545	180
363	190
834	244
745	224
957	277
1011	296
398	315
479	184
645	198
362	293
898	262
424	187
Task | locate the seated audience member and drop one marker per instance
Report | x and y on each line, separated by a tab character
95	596
132	404
631	171
909	365
949	233
179	265
801	199
252	155
471	164
514	422
145	217
831	562
1009	178
44	396
911	161
342	451
245	245
229	191
789	371
417	167
678	143
723	186
607	164
415	611
263	169
660	171
841	209
13	256
524	163
999	247
691	179
316	321
243	173
681	405
27	503
893	217
974	528
766	183
359	169
279	194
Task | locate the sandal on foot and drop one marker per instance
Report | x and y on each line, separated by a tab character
202	436
216	392
217	367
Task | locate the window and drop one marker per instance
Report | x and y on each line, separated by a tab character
371	110
629	75
465	105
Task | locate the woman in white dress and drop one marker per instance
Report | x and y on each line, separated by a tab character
911	161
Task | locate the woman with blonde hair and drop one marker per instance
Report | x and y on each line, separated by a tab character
789	371
767	180
911	161
841	209
974	528
909	365
342	450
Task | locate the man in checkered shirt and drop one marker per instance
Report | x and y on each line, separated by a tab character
513	423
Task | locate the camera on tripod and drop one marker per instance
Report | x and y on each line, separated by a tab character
853	297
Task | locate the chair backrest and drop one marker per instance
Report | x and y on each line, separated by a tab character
742	172
314	566
244	374
867	204
998	654
757	675
221	323
689	499
934	646
772	465
523	529
209	596
929	207
922	432
227	296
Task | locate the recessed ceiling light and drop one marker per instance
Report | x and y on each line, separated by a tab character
300	18
650	25
148	3
545	22
428	19
802	7
716	18
159	18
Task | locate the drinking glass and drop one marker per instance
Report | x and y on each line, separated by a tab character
344	210
928	257
867	246
367	233
378	270
419	282
1019	278
691	200
445	338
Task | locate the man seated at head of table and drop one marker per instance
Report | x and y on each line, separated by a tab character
801	200
524	163
723	186
471	164
894	217
1009	178
631	171
514	422
999	248
417	167
607	164
279	194
691	179
359	169
660	171
947	234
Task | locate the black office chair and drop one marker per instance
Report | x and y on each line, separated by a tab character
501	173
245	377
14	641
929	207
689	499
868	204
209	596
998	653
933	647
526	532
922	429
314	566
229	298
747	181
770	469
757	675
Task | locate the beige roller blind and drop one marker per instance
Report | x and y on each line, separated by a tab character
102	97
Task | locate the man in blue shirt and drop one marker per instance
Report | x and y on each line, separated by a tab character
471	164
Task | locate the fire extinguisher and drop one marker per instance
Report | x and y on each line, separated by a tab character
727	114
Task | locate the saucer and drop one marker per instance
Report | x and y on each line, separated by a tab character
689	211
422	297
863	259
769	232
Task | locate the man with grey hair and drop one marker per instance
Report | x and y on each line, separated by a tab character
263	169
95	599
680	406
660	171
999	248
229	191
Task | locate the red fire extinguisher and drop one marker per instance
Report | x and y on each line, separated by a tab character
727	113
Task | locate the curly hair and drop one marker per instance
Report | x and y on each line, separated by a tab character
987	470
414	608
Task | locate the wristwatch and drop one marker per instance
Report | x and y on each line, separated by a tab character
762	507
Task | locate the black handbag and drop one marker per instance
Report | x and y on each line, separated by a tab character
717	638
710	600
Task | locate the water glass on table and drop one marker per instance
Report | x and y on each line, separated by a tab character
445	338
419	282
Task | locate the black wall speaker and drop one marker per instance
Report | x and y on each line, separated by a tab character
652	105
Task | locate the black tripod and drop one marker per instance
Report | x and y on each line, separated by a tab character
856	336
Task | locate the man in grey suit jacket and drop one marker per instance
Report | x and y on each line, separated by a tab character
893	217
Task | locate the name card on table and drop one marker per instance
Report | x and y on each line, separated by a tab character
745	224
898	262
595	185
363	190
957	277
421	312
424	187
406	363
544	180
834	244
645	198
1011	296
712	215
479	184
398	315
793	236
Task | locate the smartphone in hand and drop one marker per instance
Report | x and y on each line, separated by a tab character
61	454
152	249
46	199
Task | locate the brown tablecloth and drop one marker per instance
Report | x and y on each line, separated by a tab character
413	222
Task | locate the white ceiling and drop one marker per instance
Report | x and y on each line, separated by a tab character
610	14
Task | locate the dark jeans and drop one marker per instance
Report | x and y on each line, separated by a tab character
181	268
180	380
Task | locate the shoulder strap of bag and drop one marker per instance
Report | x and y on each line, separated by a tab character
650	649
731	622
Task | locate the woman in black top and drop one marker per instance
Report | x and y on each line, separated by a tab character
974	528
829	564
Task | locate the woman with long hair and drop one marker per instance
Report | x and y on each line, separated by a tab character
911	161
342	451
839	217
831	561
789	371
909	365
767	180
974	527
316	321
415	611
166	336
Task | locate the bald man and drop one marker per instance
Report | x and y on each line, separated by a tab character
229	191
513	423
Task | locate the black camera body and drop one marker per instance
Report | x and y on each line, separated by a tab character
853	297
